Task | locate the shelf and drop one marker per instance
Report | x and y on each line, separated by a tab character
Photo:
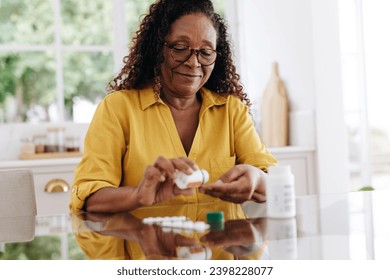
290	149
50	155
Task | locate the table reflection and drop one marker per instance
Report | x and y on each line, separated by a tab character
126	236
327	227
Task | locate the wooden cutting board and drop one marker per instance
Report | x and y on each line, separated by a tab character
274	112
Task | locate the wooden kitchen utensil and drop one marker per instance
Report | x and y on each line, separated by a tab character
274	112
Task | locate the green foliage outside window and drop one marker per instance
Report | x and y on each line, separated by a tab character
26	22
87	22
28	85
42	248
29	78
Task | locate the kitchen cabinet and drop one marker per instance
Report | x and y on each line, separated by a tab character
52	181
303	166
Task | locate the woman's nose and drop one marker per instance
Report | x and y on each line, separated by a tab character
193	60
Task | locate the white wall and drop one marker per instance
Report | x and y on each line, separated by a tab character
277	30
302	36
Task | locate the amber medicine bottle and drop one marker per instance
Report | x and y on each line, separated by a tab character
280	191
197	178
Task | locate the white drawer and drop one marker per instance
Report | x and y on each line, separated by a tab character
55	202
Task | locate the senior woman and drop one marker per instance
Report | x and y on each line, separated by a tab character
177	105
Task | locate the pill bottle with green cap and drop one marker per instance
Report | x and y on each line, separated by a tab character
194	180
216	220
280	191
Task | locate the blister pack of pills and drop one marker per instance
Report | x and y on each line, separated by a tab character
177	222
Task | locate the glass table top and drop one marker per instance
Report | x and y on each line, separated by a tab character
332	226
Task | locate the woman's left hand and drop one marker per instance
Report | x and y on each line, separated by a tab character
241	183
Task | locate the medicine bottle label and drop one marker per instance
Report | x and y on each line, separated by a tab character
280	192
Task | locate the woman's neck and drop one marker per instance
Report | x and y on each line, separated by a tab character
181	104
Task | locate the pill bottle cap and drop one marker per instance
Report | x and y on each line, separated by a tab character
279	169
215	220
216	216
205	175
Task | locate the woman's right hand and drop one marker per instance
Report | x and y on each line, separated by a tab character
158	183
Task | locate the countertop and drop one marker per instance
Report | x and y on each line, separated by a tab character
38	162
16	163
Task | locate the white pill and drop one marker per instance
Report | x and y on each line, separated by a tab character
166	229
167	223
175	218
148	221
188	225
177	224
201	226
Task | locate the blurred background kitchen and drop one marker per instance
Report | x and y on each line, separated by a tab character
56	57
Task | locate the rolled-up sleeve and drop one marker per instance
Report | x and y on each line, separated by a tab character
104	146
248	146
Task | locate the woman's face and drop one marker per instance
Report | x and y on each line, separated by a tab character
184	79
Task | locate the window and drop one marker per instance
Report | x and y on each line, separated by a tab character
57	56
54	56
365	55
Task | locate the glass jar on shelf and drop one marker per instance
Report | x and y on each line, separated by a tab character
27	146
55	140
40	142
72	144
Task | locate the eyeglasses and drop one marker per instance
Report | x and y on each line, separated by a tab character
182	53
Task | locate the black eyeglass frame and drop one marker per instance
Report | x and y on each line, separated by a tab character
196	51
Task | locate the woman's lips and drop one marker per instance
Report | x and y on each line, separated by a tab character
189	75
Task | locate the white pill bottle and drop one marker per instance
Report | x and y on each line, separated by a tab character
280	192
196	179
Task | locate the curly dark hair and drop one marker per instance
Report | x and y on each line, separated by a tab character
143	64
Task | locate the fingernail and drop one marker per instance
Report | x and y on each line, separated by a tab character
162	178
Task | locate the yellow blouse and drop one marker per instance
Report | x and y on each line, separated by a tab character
131	128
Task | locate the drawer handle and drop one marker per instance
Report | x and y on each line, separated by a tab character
57	185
